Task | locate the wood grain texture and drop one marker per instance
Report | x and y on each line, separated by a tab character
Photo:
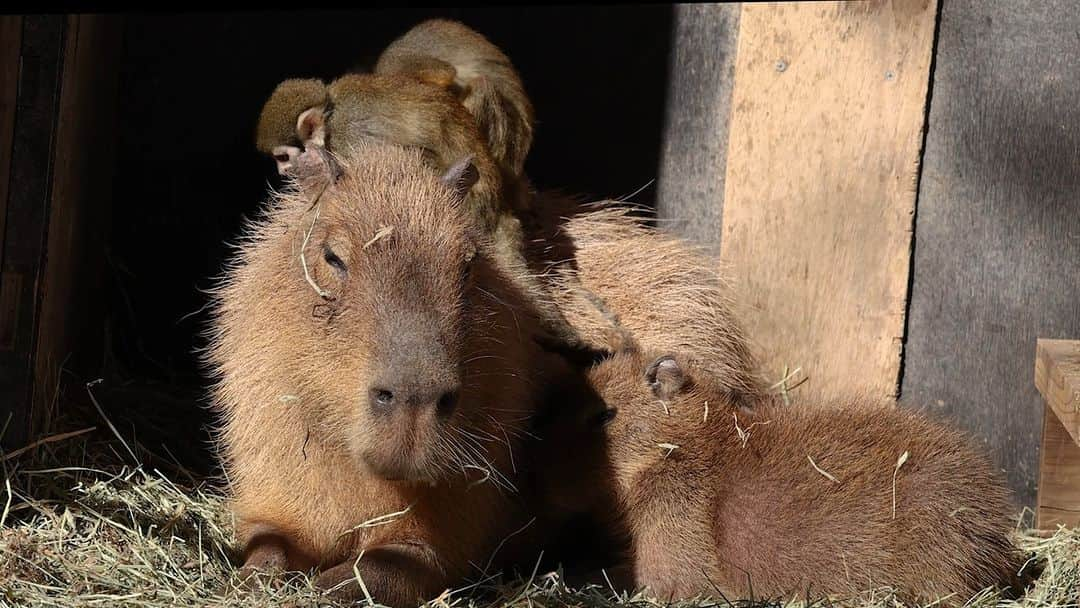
1059	477
997	251
10	47
71	311
1057	376
41	58
825	136
690	194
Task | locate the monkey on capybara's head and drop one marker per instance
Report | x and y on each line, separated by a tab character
371	359
450	55
777	499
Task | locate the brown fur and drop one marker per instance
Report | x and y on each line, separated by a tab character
449	54
306	454
389	108
654	286
277	120
751	514
401	110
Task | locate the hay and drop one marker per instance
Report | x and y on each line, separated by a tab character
80	532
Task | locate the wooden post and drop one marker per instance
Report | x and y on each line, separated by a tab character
701	71
70	314
10	45
826	127
40	59
57	139
1057	376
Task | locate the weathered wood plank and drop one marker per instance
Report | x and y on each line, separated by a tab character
1057	376
10	47
690	193
70	323
1059	477
997	251
27	215
825	134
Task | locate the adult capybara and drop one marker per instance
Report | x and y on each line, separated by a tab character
780	499
371	359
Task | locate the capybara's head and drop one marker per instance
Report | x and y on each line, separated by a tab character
650	400
368	299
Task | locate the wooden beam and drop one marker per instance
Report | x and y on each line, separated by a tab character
1057	376
40	63
690	193
72	304
1059	477
10	49
819	195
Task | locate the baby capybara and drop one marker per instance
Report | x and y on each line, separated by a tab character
372	360
793	499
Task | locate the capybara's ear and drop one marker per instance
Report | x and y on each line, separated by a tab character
461	176
665	377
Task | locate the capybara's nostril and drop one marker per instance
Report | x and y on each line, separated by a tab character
448	401
382	398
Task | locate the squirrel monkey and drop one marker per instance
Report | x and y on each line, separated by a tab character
392	108
450	55
447	90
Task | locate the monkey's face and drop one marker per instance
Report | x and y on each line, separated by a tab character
285	156
394	274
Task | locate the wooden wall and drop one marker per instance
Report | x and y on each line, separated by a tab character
997	245
57	169
898	207
690	188
38	58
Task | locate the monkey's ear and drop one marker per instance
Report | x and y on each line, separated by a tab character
461	176
311	126
665	377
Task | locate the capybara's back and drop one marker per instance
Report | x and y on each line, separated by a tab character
659	288
860	495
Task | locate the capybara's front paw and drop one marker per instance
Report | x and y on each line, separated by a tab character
340	582
267	558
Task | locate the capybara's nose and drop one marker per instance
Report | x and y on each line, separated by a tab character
442	397
382	399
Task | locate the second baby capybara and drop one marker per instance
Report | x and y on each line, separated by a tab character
778	499
372	359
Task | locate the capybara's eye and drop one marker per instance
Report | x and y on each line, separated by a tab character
606	416
466	272
333	260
